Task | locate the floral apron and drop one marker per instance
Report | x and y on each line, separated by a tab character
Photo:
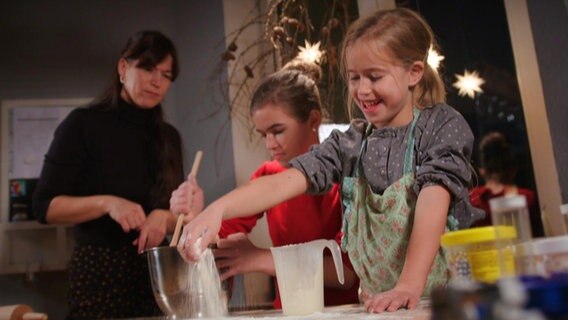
376	228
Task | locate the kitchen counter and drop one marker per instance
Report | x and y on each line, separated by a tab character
345	312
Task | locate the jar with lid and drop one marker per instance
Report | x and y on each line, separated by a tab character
512	210
543	257
564	212
473	254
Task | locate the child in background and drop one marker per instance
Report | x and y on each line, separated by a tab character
286	110
404	170
498	167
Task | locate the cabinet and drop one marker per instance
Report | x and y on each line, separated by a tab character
29	247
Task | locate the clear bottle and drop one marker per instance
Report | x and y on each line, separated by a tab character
512	210
564	212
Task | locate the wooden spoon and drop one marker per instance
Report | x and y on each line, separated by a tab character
179	223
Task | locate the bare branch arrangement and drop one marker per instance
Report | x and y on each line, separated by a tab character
288	30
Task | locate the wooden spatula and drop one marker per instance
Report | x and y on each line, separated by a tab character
179	223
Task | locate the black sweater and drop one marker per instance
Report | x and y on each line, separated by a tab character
97	151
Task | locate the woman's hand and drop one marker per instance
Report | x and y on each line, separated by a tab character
153	231
200	232
401	296
237	255
187	199
128	214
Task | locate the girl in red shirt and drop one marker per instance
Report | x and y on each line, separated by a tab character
286	110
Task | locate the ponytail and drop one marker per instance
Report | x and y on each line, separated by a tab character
430	90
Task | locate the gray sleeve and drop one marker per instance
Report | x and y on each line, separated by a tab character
328	162
444	153
321	165
444	156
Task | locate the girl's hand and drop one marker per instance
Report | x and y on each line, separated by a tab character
187	199
237	255
199	232
153	231
400	296
129	215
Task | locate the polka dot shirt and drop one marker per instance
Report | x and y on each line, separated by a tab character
442	151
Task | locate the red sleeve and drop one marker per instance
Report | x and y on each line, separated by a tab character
243	224
479	198
537	226
236	225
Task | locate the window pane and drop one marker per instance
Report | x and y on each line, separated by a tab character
473	35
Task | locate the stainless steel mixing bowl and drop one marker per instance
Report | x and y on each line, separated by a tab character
170	276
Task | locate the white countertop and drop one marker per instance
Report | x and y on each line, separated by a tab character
344	312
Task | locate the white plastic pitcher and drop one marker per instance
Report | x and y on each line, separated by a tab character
299	270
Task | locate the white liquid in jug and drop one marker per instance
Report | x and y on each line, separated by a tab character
301	296
299	271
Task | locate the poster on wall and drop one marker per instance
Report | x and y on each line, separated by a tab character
31	132
27	128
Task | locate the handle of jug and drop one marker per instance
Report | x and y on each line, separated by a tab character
336	254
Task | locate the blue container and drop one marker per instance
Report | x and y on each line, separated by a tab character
549	295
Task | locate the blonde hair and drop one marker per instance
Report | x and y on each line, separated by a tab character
406	37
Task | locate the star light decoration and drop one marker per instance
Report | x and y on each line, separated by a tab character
310	53
434	58
469	84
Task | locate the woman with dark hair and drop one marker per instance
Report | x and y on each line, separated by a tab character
110	170
498	167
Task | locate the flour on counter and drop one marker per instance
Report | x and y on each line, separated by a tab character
345	312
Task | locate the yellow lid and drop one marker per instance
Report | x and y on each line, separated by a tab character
475	235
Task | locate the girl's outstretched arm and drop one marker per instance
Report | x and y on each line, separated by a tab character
428	226
256	196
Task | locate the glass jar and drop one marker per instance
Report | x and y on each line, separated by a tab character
564	212
474	255
543	257
512	210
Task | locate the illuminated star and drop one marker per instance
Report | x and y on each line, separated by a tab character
434	58
469	83
310	53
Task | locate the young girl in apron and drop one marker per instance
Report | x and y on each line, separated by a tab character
404	170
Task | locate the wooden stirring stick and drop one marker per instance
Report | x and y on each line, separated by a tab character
179	223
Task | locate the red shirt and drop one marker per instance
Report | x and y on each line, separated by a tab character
301	219
480	196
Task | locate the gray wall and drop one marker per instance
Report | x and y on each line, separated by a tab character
68	49
549	21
